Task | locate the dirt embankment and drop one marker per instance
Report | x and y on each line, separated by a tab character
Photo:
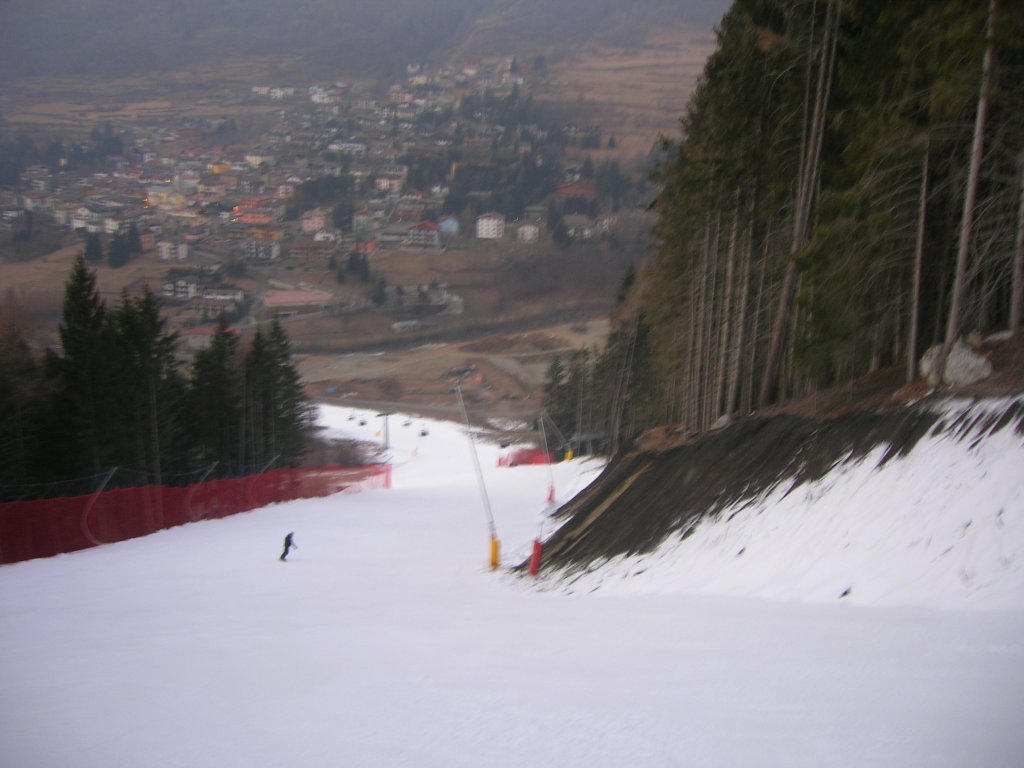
671	480
644	497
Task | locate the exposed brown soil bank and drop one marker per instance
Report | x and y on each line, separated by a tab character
645	496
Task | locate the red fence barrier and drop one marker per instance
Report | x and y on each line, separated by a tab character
45	527
526	456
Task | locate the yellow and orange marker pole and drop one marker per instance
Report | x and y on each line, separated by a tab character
495	552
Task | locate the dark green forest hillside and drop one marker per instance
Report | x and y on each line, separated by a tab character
847	189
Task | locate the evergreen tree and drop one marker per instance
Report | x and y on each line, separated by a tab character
87	392
149	387
118	254
341	214
555	393
93	249
214	401
358	266
291	411
133	240
256	383
22	402
112	397
559	232
611	183
275	412
809	215
569	399
378	289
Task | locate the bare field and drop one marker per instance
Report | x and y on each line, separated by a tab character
38	285
635	94
69	105
501	375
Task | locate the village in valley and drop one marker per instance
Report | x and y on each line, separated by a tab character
352	212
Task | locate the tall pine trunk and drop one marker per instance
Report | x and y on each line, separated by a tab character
915	296
953	321
1017	286
720	405
732	390
810	170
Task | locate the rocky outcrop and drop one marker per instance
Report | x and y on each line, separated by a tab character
964	365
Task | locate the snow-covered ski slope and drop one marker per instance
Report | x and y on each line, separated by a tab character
385	640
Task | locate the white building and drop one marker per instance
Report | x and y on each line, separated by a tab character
224	293
255	160
262	250
490	226
353	148
181	289
313	221
172	251
426	236
528	233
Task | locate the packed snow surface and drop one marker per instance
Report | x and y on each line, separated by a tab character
385	639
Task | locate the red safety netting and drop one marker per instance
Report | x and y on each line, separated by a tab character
526	456
45	527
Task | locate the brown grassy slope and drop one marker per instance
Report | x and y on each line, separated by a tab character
633	93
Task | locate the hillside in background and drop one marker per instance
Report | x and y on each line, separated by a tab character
119	37
842	195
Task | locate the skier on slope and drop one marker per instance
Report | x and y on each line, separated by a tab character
288	544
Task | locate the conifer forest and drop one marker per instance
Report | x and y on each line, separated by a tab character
114	400
846	191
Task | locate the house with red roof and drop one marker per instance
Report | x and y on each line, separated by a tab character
582	190
288	303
